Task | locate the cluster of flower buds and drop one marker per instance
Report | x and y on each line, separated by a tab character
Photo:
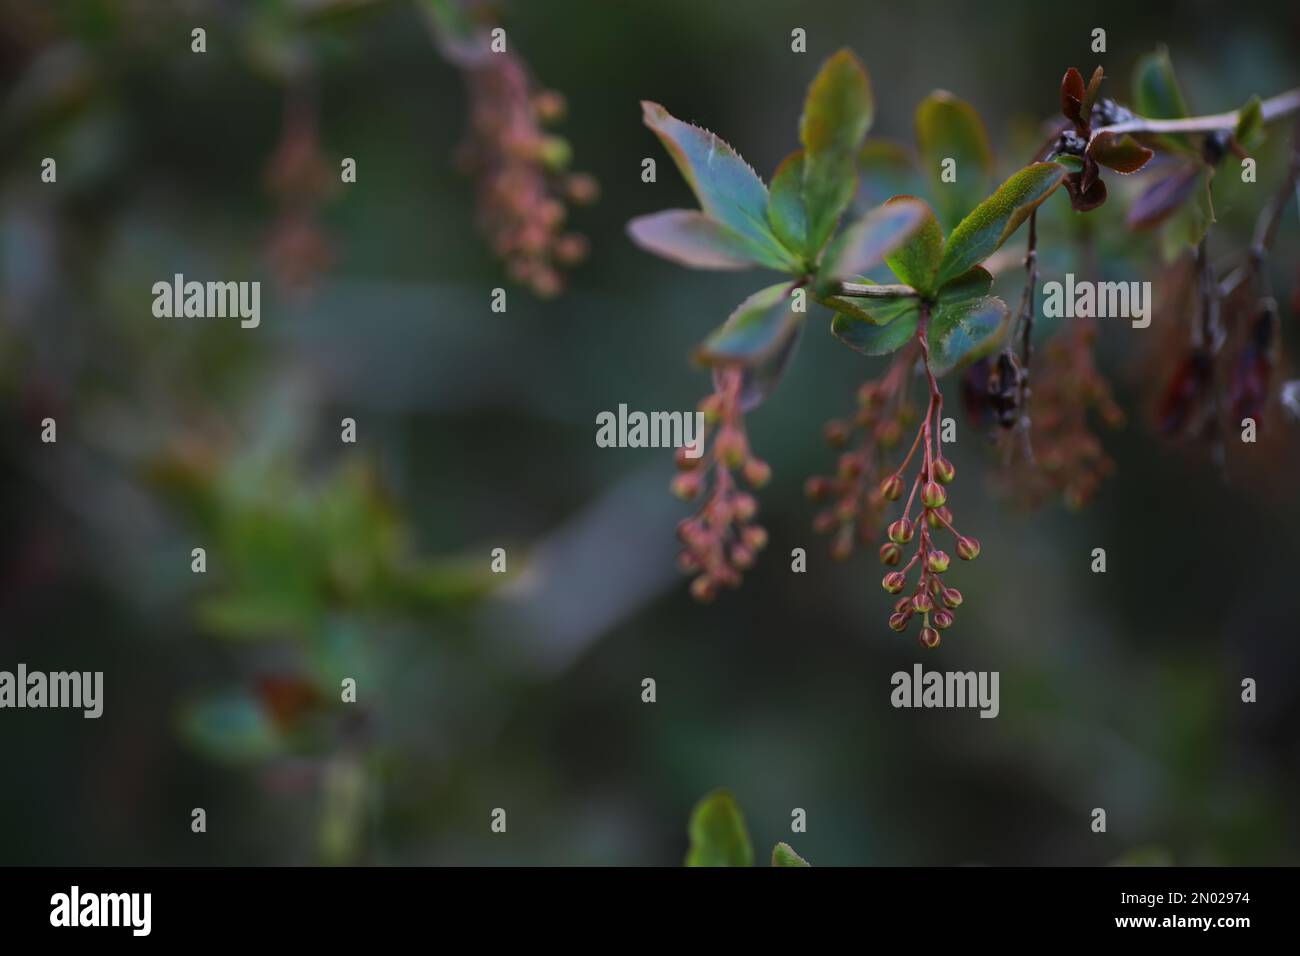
931	599
721	540
853	502
1069	459
300	180
523	183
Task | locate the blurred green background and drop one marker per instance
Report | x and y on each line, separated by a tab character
476	431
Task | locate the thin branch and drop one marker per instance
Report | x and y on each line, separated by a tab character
1271	109
855	290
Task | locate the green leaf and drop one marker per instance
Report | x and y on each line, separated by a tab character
1156	95
866	243
755	330
718	835
783	855
965	329
232	728
972	284
949	128
885	169
980	234
916	261
692	239
836	116
729	191
1191	221
872	339
877	311
1250	125
785	210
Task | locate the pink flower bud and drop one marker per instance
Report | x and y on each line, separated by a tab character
900	531
929	637
932	495
892	488
968	549
943	470
890	554
937	562
893	581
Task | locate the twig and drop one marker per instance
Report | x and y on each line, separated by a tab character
857	290
1270	109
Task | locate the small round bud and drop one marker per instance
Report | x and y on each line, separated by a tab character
933	495
816	488
684	461
842	545
898	622
903	605
730	446
837	433
703	589
892	488
943	470
582	188
687	485
757	472
951	597
890	554
549	105
900	532
868	394
928	637
744	506
937	562
850	466
888	434
893	581
824	522
935	517
755	537
922	603
968	549
742	557
942	619
711	408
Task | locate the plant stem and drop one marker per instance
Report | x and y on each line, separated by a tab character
1273	108
856	290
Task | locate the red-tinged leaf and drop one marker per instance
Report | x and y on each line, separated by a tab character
836	116
1252	372
691	239
865	244
1072	94
1163	197
1089	175
729	191
1184	393
1082	200
1093	91
1121	153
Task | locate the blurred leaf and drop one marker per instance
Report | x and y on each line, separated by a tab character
1249	133
729	191
784	855
1159	200
950	128
1156	95
886	169
759	380
233	728
980	234
1145	856
966	329
866	243
718	835
343	810
836	116
692	239
755	330
916	261
785	208
1191	221
1123	153
1092	92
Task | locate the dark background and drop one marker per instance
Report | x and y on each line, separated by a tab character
1119	690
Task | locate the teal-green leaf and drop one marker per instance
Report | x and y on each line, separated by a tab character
871	339
865	244
691	238
783	855
755	330
993	221
729	191
916	261
836	116
974	283
877	311
785	209
718	834
965	329
950	128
